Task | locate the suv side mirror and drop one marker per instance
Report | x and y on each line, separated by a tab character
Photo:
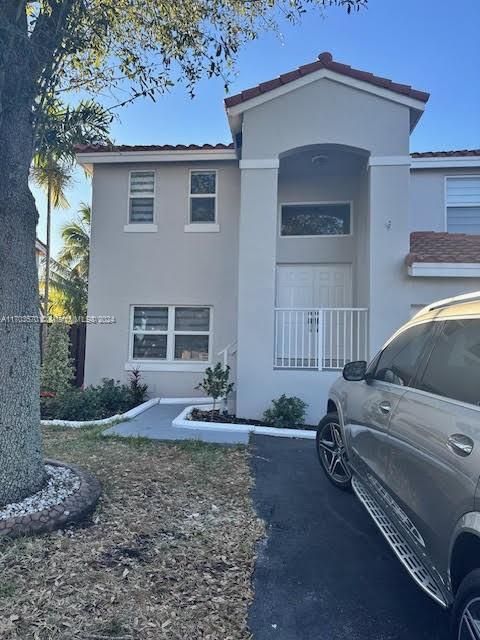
355	371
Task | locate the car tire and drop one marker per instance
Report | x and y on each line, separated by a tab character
466	607
331	451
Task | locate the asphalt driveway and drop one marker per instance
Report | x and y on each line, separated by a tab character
325	571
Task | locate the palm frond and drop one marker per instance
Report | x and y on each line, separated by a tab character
70	291
55	176
76	238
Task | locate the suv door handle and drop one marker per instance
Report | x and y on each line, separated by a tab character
460	444
385	407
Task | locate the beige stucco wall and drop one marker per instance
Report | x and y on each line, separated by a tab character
322	249
326	112
320	113
239	263
427	197
166	267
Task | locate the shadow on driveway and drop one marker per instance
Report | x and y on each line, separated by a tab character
325	572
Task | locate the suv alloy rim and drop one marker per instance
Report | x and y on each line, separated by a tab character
332	451
470	622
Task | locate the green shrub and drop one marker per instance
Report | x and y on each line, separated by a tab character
93	403
286	412
73	404
57	367
138	390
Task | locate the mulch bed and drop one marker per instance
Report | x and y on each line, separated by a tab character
168	554
219	416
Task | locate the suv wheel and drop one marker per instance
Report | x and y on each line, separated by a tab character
466	609
331	451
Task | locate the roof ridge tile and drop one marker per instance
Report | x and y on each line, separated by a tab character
324	61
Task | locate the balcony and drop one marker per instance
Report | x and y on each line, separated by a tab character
322	339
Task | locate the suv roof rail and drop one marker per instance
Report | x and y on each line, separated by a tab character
448	302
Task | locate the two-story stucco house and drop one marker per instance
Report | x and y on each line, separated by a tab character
300	246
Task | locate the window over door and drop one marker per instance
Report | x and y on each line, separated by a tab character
400	359
463	204
327	219
453	369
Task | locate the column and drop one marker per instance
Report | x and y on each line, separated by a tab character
256	284
389	244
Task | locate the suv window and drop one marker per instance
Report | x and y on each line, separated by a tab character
453	369
399	361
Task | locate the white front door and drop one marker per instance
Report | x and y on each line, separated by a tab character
314	286
309	287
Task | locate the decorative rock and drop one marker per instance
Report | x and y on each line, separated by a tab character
62	482
69	496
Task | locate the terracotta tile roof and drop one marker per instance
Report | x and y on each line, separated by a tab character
89	148
446	154
325	61
430	246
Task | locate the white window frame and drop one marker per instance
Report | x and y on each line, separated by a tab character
169	363
463	204
141	227
199	227
321	202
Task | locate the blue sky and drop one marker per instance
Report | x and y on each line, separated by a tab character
433	45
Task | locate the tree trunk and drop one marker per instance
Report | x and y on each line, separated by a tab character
22	470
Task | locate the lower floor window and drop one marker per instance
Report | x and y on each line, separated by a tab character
170	333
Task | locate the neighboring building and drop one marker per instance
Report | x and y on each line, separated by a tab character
301	246
40	251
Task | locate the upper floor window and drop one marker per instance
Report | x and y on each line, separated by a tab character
463	204
141	197
316	219
203	197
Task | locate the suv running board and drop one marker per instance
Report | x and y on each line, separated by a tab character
398	544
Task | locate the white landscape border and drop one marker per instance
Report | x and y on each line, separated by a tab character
181	421
128	415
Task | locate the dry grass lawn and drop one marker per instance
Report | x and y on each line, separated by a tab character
169	552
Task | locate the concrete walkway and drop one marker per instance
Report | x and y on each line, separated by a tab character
156	423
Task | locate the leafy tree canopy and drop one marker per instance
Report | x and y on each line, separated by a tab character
125	49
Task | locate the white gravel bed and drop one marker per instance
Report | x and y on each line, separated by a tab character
62	483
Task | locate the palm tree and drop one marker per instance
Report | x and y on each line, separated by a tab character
68	292
54	178
76	238
69	275
60	129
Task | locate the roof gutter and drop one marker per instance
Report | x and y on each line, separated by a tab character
445	162
115	157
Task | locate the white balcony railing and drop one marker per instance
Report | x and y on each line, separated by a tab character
324	339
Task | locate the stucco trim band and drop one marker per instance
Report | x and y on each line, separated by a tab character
260	163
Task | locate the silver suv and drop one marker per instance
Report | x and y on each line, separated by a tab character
404	433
